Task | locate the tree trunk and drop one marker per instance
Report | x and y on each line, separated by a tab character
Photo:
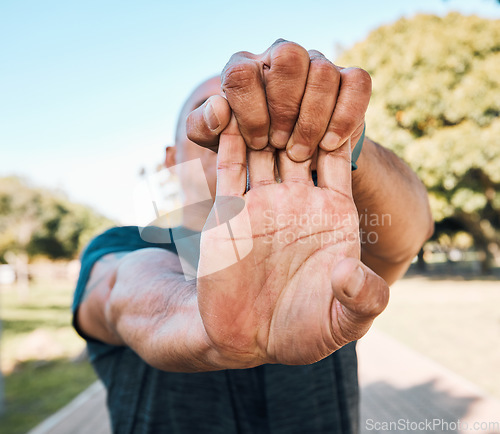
421	264
486	259
481	241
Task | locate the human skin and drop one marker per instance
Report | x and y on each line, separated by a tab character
290	303
336	308
289	98
395	218
285	306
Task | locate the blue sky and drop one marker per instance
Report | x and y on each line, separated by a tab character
90	91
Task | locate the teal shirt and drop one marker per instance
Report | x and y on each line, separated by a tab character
278	399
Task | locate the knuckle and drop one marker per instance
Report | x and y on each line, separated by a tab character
360	78
324	70
289	55
238	75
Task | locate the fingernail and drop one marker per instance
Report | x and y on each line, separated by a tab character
279	138
330	141
299	152
260	142
210	117
355	282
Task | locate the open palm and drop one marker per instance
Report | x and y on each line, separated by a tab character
278	300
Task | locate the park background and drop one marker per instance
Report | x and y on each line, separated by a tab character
90	95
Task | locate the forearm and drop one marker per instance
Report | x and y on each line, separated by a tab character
392	203
155	312
144	302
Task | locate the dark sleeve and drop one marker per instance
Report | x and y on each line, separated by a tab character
119	239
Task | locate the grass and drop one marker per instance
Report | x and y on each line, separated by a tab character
38	327
34	391
454	321
451	320
38	345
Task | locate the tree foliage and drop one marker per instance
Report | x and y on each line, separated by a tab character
436	103
36	221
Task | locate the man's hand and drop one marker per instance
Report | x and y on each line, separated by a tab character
287	97
301	293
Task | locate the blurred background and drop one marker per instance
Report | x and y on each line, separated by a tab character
90	92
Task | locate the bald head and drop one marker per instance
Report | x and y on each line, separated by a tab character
199	95
192	181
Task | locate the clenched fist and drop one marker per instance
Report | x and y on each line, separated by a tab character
286	97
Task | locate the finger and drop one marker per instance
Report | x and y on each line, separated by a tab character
204	124
286	65
231	162
316	108
334	169
349	113
261	167
291	171
360	296
243	87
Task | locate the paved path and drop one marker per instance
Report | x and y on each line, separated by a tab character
399	385
401	392
86	414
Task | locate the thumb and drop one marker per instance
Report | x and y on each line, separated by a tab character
361	295
204	124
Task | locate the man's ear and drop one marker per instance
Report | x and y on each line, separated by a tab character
170	161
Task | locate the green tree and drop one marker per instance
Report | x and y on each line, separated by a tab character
39	222
436	101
